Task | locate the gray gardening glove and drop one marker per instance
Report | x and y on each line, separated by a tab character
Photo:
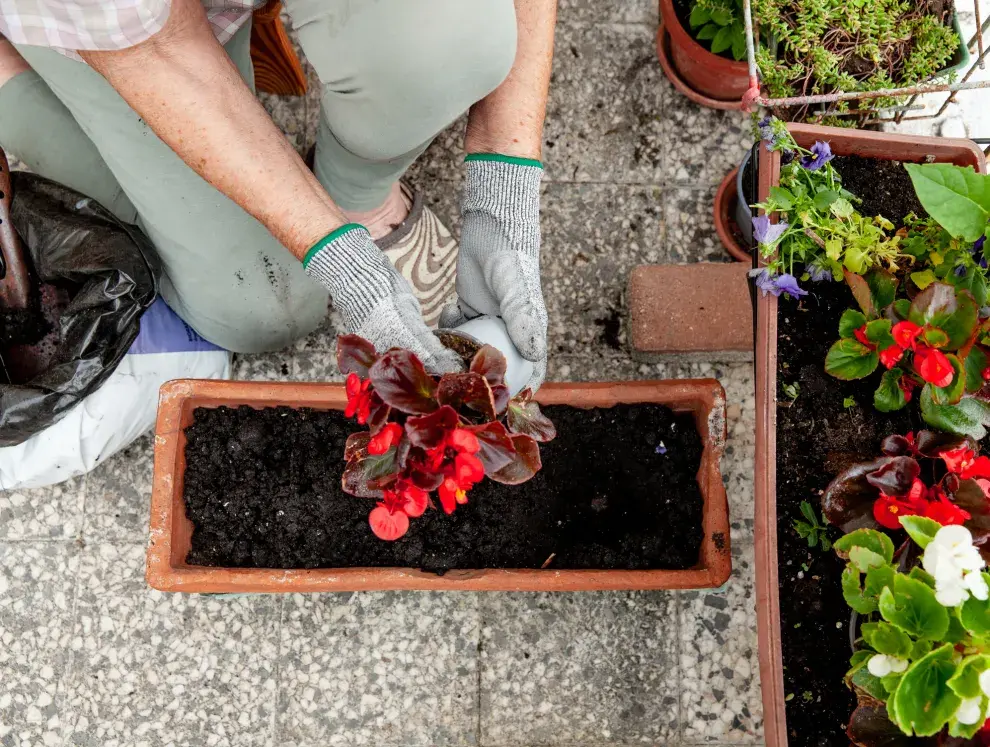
498	265
374	300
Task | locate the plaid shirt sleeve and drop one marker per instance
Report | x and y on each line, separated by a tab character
106	24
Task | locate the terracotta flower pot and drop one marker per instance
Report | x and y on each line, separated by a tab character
171	531
706	78
731	215
878	145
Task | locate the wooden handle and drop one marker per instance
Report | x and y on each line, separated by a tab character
15	286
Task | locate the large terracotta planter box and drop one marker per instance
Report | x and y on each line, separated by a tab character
876	145
171	531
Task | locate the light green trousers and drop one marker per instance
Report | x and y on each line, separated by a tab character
394	74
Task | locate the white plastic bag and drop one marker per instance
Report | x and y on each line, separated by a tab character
121	410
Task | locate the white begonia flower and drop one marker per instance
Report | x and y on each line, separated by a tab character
881	665
955	563
985	682
970	711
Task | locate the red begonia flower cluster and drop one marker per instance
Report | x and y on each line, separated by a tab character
427	433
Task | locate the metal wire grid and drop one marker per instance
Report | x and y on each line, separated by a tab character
754	97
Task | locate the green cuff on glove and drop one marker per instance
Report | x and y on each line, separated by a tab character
502	159
330	237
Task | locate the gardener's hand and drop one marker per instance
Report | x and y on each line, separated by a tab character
375	301
498	267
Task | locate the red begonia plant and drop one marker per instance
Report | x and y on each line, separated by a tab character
428	433
936	475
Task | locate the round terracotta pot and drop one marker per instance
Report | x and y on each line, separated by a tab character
726	203
711	77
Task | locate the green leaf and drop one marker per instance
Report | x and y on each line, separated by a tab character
924	278
911	605
722	40
708	32
972	281
976	363
738	41
883	287
956	633
853	592
957	197
782	197
825	198
934	337
922	575
722	16
851	359
967	418
870	539
869	684
954	312
850	321
841	208
877	579
920	649
889	396
863	559
848	402
966	681
922	530
923	702
878	332
902	307
887	639
700	15
975	614
833	249
951	394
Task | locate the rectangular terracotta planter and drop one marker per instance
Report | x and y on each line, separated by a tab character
844	142
171	531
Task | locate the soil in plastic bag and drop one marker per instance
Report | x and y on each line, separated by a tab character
105	268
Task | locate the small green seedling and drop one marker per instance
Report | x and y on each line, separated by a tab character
814	529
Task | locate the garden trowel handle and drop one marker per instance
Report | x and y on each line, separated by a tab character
15	278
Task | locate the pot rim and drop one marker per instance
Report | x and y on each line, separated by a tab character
171	530
882	145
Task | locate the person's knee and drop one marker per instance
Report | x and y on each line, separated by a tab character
242	325
425	80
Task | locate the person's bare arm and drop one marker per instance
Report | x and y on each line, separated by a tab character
181	82
509	120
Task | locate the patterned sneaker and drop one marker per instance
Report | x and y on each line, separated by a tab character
425	253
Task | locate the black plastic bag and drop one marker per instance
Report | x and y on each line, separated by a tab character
111	268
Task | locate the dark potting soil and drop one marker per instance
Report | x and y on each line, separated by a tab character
817	437
262	488
884	187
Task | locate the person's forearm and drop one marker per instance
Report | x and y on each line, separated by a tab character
183	85
510	119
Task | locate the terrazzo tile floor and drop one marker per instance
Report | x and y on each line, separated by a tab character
90	656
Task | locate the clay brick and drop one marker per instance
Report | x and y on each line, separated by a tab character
695	312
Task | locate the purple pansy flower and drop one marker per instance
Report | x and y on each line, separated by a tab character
818	271
960	271
821	153
788	284
978	251
776	285
661	449
767	233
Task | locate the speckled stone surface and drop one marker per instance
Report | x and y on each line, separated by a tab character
90	656
42	513
379	670
160	669
579	668
720	691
